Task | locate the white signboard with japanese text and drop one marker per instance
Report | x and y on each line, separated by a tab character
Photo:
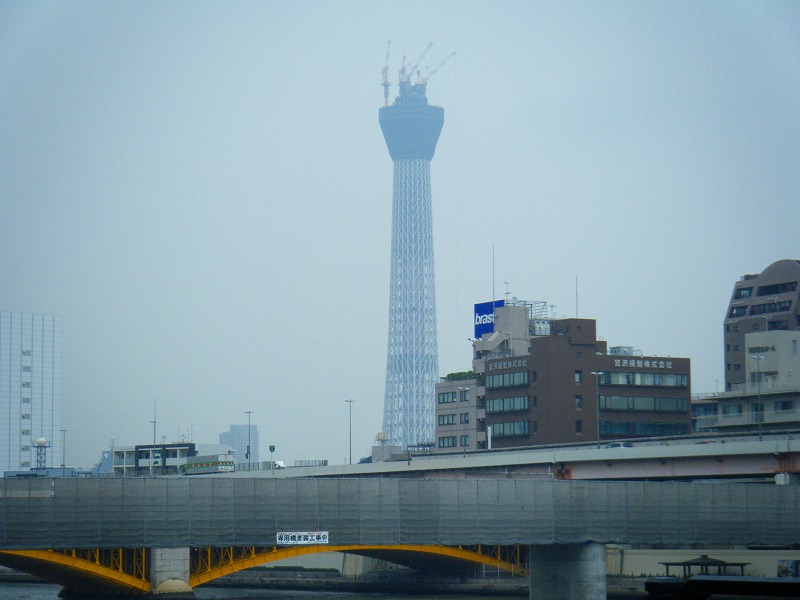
296	538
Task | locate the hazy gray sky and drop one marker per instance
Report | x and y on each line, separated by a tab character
201	191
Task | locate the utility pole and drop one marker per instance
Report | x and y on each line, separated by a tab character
247	455
350	405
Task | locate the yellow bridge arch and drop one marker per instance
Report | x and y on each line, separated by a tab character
211	563
125	570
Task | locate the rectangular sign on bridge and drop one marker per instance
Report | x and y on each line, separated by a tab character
294	538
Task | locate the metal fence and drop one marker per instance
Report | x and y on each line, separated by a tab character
224	511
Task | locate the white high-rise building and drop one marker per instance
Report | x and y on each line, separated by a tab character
30	391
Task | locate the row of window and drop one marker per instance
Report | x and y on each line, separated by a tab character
765	290
507	379
644	403
496	405
772	325
735	410
759	309
448	397
653	379
622	428
450	419
450	441
513	428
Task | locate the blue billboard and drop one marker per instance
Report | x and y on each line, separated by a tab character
484	317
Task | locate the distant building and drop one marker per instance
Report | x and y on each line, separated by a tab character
166	458
237	438
547	381
768	399
30	390
458	420
766	302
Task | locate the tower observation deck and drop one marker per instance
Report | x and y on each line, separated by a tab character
411	129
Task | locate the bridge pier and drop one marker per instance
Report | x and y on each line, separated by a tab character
568	572
169	571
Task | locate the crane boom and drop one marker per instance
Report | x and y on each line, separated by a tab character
431	69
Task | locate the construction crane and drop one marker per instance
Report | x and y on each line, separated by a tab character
407	70
432	68
385	74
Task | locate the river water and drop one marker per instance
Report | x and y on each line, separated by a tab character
40	591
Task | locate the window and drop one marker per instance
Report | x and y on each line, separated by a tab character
731	410
26	400
578	375
644	403
446	397
464	441
463	395
26	384
644	379
777	288
578	401
447	442
463	418
770	307
26	415
743	293
26	369
623	428
447	419
509	429
25	431
496	405
737	311
507	380
579	426
26	353
737	367
784	406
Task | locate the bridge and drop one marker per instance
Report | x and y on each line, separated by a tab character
153	535
767	458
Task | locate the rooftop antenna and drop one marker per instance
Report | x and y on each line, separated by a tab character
507	292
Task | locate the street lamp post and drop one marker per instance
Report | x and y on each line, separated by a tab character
63	451
597	402
153	449
247	454
350	406
759	412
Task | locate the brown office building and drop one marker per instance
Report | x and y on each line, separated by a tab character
768	301
559	388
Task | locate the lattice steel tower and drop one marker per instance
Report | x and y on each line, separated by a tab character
411	129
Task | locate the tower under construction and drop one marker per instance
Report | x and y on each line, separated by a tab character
411	129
